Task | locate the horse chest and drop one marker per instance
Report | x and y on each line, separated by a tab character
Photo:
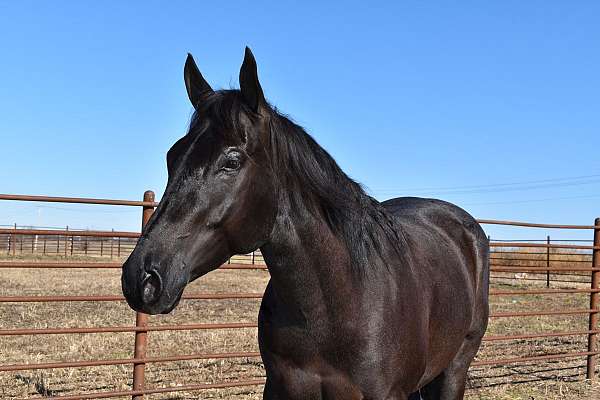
351	359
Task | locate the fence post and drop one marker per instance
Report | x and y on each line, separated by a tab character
14	247
66	241
594	304
141	319
10	243
548	262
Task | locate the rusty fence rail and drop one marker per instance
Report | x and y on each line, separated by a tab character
575	262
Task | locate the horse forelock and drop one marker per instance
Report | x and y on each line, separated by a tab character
223	110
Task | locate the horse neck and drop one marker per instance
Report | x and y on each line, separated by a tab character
310	267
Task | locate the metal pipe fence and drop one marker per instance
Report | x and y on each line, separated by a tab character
545	268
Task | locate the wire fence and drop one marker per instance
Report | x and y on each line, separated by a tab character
543	280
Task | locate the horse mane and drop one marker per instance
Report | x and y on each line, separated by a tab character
311	178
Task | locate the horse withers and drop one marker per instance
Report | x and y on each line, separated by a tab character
366	300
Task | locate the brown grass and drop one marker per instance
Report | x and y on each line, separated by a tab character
562	379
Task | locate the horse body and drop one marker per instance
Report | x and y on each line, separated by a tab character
382	335
366	300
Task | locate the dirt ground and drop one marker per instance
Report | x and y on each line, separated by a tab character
560	379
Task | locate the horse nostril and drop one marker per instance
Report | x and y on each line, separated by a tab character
151	287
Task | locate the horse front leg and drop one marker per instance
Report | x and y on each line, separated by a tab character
268	393
294	387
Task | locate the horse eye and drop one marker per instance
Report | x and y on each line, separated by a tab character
232	164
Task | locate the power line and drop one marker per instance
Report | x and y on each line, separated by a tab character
532	200
549	182
496	188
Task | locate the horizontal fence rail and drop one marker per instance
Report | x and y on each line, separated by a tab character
78	200
199	296
147	360
576	263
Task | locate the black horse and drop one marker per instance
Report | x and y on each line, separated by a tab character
366	300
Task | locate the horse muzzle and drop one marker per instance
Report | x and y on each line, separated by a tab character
147	290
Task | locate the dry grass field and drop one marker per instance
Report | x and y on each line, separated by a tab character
561	379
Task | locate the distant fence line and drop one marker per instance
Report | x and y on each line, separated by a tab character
86	245
80	242
19	244
509	261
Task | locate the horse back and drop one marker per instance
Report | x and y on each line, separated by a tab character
430	224
445	244
417	211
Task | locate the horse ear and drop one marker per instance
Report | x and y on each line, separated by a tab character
195	84
249	84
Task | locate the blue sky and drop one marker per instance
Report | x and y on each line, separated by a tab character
491	105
